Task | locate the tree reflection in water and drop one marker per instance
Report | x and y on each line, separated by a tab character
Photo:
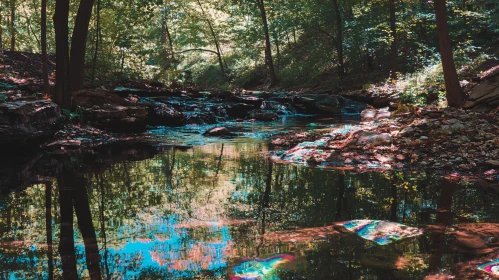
184	213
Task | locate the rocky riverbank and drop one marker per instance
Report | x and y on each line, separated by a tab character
427	138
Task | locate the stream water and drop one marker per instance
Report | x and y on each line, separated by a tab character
208	208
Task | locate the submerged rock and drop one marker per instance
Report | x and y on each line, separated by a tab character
263	115
28	122
220	132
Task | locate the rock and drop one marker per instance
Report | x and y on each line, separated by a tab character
162	114
457	126
407	131
28	122
108	111
329	105
375	114
492	163
486	93
424	138
265	116
219	132
373	138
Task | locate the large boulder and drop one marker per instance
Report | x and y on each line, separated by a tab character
485	96
28	122
108	111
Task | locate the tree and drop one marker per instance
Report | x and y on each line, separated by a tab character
97	39
62	94
165	34
43	24
79	44
339	37
393	34
268	51
453	90
69	69
215	40
12	25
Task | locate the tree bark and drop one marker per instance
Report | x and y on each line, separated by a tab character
62	94
393	32
45	72
79	43
454	92
12	25
339	38
268	51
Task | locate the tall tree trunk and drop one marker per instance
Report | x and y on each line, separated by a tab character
103	225
339	38
97	39
79	44
341	195
268	51
62	94
48	229
12	25
276	39
45	71
66	239
443	221
393	35
453	90
1	29
166	37
217	45
82	210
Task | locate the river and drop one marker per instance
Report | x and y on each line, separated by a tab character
210	208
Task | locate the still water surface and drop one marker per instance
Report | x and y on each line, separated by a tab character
222	210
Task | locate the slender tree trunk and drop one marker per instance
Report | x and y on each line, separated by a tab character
48	229
66	240
79	44
276	39
393	32
12	25
212	31
339	38
341	195
103	225
45	71
62	94
166	36
268	51
443	221
453	89
1	29
82	210
97	38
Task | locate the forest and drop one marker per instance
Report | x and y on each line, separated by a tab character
249	139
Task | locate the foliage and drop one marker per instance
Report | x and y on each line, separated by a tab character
303	38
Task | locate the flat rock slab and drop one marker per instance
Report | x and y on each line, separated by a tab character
22	122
